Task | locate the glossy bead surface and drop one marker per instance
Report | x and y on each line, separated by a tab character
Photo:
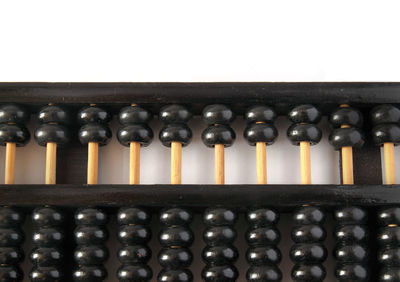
134	254
260	113
178	258
133	215
91	255
13	114
219	217
14	133
389	256
304	132
93	132
389	236
48	236
46	274
140	133
346	137
11	274
218	114
264	255
346	116
134	234
350	233
263	236
308	233
10	217
93	114
11	255
87	235
224	254
218	134
90	216
351	253
223	273
305	114
92	273
137	272
308	253
179	275
47	217
351	215
46	256
46	133
134	115
11	237
262	217
385	114
175	133
175	114
351	272
308	273
260	132
175	216
390	274
309	215
389	215
264	273
219	235
384	133
176	236
54	114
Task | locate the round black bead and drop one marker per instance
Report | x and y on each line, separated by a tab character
218	114
175	133
308	253
226	273
134	115
48	237
134	234
219	217
264	255
93	114
218	134
175	216
346	116
135	133
264	273
178	275
219	255
351	233
94	132
351	215
260	132
89	235
385	114
352	272
47	217
309	215
134	254
263	236
46	133
175	114
308	233
262	217
13	114
175	258
304	132
46	256
10	217
11	273
351	253
260	114
92	273
137	272
389	236
305	114
390	274
178	236
14	133
11	237
54	114
389	256
384	133
388	216
46	274
308	273
133	215
11	255
346	137
91	255
219	235
90	216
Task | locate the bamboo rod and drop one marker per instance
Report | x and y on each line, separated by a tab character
261	152
93	163
390	173
134	163
305	163
176	162
219	164
347	166
10	163
51	162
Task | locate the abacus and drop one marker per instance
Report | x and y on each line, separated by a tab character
69	213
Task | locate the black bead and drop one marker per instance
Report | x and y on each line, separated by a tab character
384	133
94	132
90	235
309	215
46	274
308	273
178	236
140	133
134	234
346	137
351	253
218	114
308	253
390	215
14	133
351	233
93	114
91	255
179	275
11	237
175	216
305	114
263	273
219	235
11	255
10	217
218	255
222	273
263	236
134	115
46	133
46	256
175	133
262	217
260	114
92	273
304	132
389	236
54	114
13	114
351	215
263	255
48	237
260	132
218	134
175	114
133	215
308	233
175	258
90	216
137	273
219	217
346	116
389	256
351	272
11	273
134	254
390	274
47	217
385	114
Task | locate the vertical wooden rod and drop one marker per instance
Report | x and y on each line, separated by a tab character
10	163
347	166
305	162
176	162
93	163
134	163
219	164
390	173
51	159
261	152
